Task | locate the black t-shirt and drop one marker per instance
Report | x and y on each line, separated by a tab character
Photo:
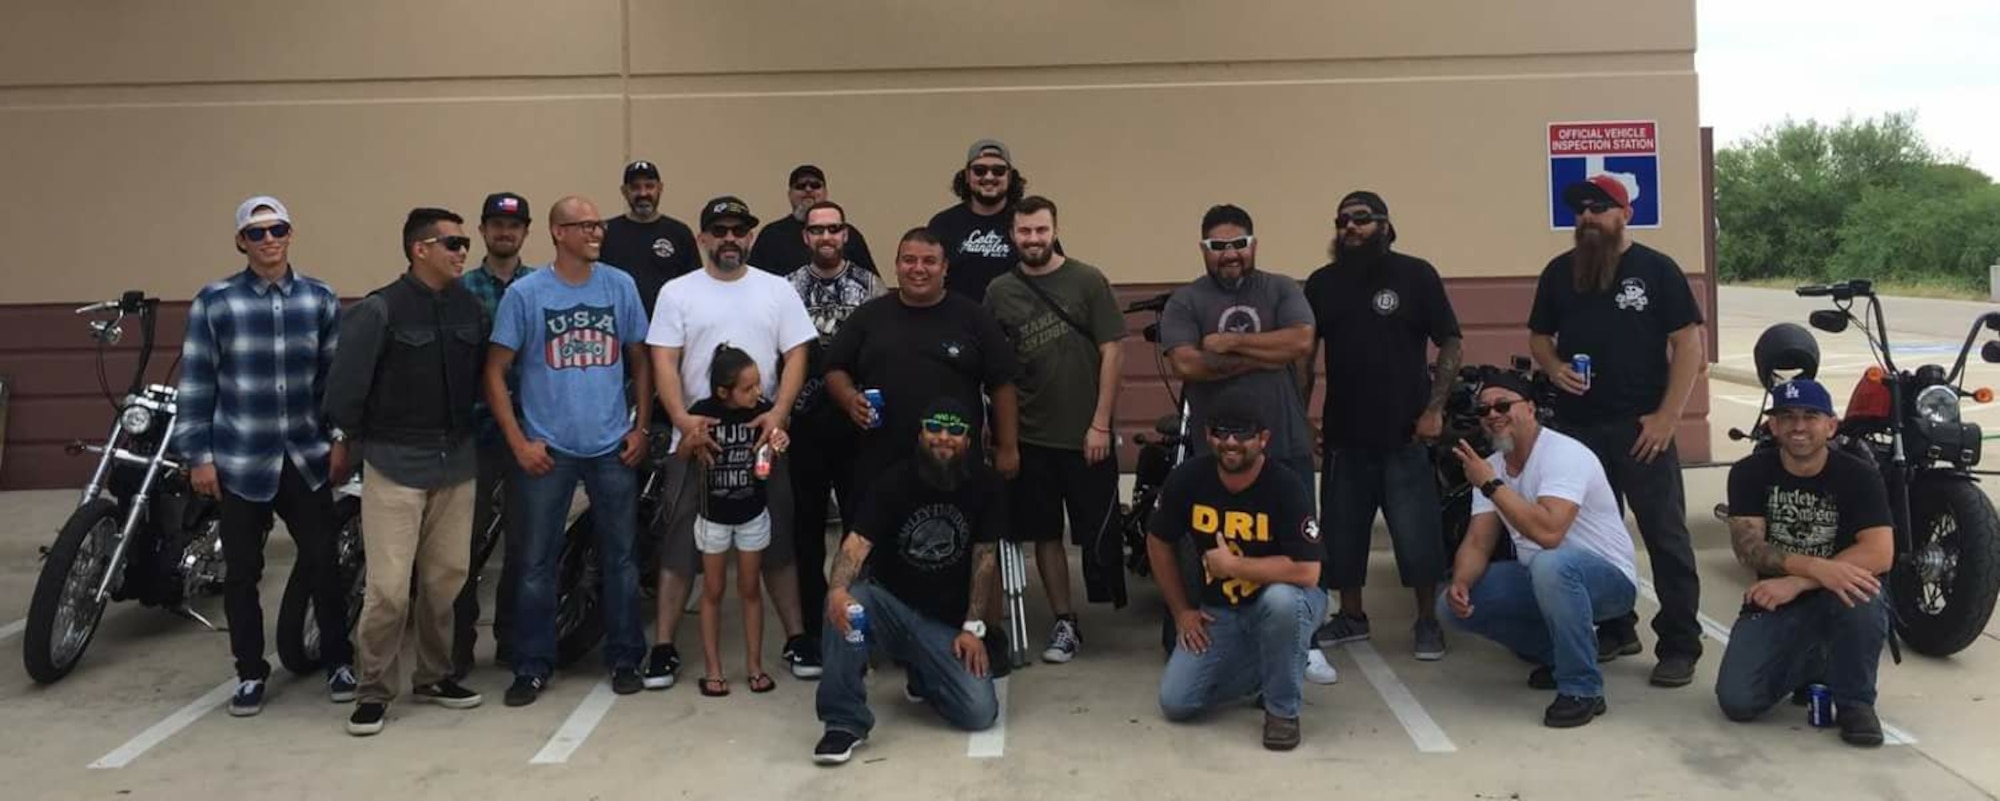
1624	330
652	253
923	537
979	248
1271	517
781	247
917	354
1811	516
731	491
1377	320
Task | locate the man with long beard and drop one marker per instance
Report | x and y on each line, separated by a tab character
1574	561
1379	311
1628	307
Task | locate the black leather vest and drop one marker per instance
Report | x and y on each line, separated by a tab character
427	377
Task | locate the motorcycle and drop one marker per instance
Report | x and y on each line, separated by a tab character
139	532
1907	423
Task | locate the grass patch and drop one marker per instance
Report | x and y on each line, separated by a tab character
1940	289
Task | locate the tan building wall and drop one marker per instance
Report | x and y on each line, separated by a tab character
129	131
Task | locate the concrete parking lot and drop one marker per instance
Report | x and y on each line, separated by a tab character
141	717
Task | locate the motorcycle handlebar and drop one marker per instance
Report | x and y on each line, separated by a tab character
1152	304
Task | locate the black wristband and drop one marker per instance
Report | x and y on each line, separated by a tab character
1487	489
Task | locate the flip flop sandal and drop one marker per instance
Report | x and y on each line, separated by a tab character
762	683
714	688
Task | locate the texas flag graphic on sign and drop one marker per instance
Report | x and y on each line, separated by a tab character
580	336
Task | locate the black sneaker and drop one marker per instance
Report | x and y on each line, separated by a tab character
1673	671
1612	644
1341	629
340	685
1063	640
626	681
524	690
802	656
661	666
1569	711
1858	724
248	700
836	747
368	718
448	694
1544	678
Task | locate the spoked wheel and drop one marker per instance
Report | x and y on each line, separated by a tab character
1944	591
579	618
65	610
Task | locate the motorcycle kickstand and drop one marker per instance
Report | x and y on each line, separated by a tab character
189	613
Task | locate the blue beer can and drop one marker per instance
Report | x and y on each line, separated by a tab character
1819	706
874	397
1581	364
857	624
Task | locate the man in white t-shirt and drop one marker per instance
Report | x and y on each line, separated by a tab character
1574	563
760	313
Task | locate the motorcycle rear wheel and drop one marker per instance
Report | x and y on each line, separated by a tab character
1944	591
64	614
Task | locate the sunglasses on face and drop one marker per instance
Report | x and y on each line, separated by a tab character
1362	218
1234	433
808	186
1502	407
985	170
587	225
455	244
956	429
826	230
1220	245
279	231
721	231
1595	207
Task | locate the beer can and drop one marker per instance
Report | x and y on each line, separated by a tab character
874	397
763	466
1819	706
857	624
1581	364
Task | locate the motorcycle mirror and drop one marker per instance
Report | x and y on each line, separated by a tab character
1991	319
1990	352
1831	321
1737	435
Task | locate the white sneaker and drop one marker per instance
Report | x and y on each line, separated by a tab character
1318	670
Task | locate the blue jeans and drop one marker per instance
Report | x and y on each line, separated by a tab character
1258	647
1815	638
1546	611
613	489
962	699
1400	482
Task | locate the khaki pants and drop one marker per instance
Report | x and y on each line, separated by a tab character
404	529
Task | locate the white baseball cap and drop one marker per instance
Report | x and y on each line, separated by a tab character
247	215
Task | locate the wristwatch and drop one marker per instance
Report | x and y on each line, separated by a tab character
337	436
976	628
1487	489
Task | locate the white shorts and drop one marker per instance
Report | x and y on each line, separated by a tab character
713	537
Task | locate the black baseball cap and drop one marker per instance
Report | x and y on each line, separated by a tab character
802	171
1236	408
727	206
641	169
504	204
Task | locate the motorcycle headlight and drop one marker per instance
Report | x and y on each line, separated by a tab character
1938	404
135	419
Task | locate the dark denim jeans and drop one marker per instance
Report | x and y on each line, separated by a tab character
1815	638
1659	506
1543	611
1257	647
962	699
613	489
1399	482
497	468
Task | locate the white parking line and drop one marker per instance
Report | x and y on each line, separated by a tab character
12	629
1891	735
991	743
578	727
159	732
1424	731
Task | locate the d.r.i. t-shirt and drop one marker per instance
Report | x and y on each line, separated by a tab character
1271	517
569	350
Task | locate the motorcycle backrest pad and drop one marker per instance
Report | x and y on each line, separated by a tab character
1785	347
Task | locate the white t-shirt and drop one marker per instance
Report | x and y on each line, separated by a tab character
758	312
1561	467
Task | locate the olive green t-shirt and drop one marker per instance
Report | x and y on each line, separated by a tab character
1058	378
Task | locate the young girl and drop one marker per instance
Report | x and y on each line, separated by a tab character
733	513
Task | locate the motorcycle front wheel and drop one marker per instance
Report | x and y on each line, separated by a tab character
65	610
1943	592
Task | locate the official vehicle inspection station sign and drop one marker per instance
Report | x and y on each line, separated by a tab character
1627	151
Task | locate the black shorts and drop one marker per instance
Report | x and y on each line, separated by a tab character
1053	480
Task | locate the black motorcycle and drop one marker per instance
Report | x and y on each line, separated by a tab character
1907	423
139	533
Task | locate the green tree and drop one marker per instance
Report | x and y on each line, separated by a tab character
1935	234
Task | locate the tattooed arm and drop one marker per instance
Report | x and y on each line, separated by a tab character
854	550
1449	356
1746	537
985	565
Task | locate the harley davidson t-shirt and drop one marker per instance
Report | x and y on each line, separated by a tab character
923	537
1815	516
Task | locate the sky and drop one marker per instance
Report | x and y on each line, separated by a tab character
1763	60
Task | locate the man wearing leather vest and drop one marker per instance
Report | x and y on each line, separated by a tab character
402	388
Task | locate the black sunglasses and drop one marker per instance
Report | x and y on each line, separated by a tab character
451	243
808	186
984	170
1362	218
1238	433
1595	206
280	231
1498	406
957	429
719	231
826	230
1220	245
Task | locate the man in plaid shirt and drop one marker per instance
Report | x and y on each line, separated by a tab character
253	370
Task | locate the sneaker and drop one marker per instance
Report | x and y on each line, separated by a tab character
1569	711
340	685
368	718
1858	724
248	700
836	747
1280	734
1318	670
1612	644
1673	671
802	656
626	681
911	695
661	666
448	694
1342	629
1429	637
1063	640
524	690
1543	678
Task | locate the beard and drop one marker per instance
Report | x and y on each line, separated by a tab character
942	474
1230	284
1503	444
503	250
1594	262
1039	256
1236	463
1367	251
727	258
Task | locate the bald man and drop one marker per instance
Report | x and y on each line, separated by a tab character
580	333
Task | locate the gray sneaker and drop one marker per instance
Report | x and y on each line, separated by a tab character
1341	629
1429	637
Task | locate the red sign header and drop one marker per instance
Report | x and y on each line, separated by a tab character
1603	139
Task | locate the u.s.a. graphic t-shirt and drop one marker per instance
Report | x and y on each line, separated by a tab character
569	350
923	537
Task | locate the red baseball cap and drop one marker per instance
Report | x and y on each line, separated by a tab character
1601	187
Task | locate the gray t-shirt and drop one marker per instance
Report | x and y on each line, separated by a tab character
1264	302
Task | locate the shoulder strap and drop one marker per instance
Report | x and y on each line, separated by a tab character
1051	303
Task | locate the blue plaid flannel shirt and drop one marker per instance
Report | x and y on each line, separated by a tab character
489	290
253	372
